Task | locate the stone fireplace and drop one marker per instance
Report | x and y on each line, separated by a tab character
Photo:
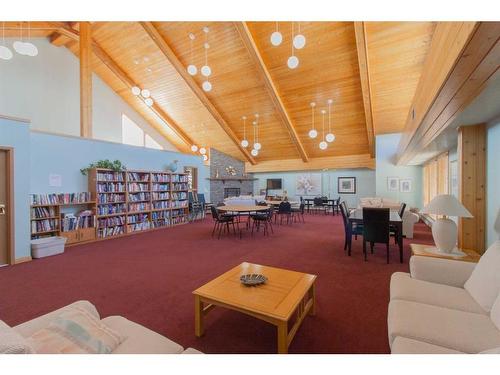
232	192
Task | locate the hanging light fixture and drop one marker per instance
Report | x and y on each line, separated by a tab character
191	69
149	102
5	52
254	151
257	146
276	37
299	41
206	71
194	148
145	93
205	157
19	44
244	141
136	91
29	48
330	137
323	145
293	61
203	150
312	133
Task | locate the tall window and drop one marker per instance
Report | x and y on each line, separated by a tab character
435	178
132	134
192	178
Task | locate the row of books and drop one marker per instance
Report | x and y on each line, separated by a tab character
60	198
137	186
161	204
135	207
71	222
139	226
160	187
160	215
110	176
41	212
111	221
111	209
178	213
111	198
139	218
44	225
179	220
159	177
110	187
134	176
179	178
137	197
160	223
178	204
179	195
180	186
110	231
162	195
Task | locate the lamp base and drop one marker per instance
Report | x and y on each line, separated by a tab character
444	232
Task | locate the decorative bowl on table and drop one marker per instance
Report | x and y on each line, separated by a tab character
253	279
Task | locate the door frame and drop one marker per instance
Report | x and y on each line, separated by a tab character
10	204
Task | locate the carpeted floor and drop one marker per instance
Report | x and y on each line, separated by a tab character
148	278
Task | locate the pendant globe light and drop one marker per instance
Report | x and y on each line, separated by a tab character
206	71
299	40
5	52
136	91
29	48
191	69
312	133
254	152
194	148
323	145
244	141
330	137
145	93
257	146
205	157
149	102
293	61
276	37
203	150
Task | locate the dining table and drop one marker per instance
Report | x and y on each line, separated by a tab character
333	203
356	216
242	209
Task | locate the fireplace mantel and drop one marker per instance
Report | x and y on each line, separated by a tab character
233	178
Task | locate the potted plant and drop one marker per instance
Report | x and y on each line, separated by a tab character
115	165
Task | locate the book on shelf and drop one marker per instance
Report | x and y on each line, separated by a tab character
111	221
60	198
139	226
138	176
161	204
84	219
160	177
160	215
179	178
137	218
160	186
138	186
179	195
111	209
136	207
44	225
110	231
138	197
111	198
179	204
110	187
42	212
160	195
110	176
180	186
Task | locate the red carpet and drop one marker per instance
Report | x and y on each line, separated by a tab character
148	278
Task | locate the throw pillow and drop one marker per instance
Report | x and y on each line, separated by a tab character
484	282
75	331
12	342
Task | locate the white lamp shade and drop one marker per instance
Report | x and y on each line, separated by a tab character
194	148
244	143
254	152
192	69
149	102
205	157
323	145
446	204
5	53
136	90
206	70
293	62
330	137
207	86
203	150
276	38
313	133
257	146
145	93
299	41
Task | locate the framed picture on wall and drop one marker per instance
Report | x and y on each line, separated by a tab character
405	185
392	183
308	184
347	185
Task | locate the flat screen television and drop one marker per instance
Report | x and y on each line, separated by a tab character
274	183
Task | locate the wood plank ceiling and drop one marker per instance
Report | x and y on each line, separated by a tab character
250	76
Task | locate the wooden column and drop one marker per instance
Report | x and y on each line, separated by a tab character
472	186
85	80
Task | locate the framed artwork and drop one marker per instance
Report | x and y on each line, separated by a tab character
347	185
392	183
405	185
308	184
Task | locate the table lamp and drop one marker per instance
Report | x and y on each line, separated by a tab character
444	230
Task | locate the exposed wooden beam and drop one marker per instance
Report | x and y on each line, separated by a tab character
59	39
455	52
129	83
334	162
253	50
364	75
172	58
85	51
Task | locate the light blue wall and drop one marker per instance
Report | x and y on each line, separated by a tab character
386	148
65	156
493	182
365	183
17	135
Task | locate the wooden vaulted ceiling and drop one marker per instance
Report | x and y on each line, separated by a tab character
250	76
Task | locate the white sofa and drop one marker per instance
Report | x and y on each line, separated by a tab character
244	200
139	339
446	306
409	218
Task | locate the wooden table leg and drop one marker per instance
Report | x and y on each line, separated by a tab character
198	316
312	292
282	337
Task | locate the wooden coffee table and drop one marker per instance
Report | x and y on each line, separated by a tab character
285	294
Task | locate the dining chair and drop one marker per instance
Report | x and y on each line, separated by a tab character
336	206
284	210
222	222
376	228
350	230
299	212
263	218
394	229
319	205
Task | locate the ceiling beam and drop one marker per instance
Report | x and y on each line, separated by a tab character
364	75
329	162
85	53
253	50
472	59
59	39
172	58
129	83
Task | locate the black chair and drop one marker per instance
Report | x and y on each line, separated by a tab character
336	206
393	228
195	207
284	210
376	228
349	230
299	211
222	221
263	218
319	205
